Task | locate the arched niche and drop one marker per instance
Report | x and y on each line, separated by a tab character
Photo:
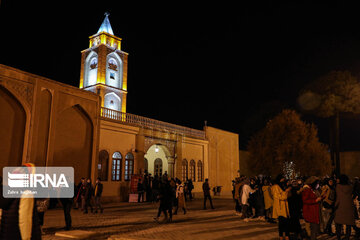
112	101
114	70
12	129
73	141
91	69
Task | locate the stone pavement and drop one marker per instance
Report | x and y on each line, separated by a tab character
135	221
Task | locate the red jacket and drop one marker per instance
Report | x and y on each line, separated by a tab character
310	206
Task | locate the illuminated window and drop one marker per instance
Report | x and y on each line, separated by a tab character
116	167
184	170
200	171
192	170
129	166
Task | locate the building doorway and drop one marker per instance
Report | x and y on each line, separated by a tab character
157	160
158	167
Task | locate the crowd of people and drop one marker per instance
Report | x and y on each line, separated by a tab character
325	205
149	186
172	194
322	203
89	196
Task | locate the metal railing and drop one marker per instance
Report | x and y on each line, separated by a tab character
150	123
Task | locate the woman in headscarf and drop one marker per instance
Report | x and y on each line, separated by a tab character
281	206
268	199
180	195
19	218
245	192
311	206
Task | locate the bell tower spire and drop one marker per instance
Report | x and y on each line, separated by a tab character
104	68
106	26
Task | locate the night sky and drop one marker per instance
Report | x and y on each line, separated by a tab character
235	66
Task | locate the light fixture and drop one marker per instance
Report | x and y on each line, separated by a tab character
156	148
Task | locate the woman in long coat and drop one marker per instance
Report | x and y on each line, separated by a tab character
344	207
311	206
180	195
281	206
19	215
268	199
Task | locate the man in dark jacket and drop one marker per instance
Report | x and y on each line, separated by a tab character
165	197
140	190
66	204
80	188
295	206
206	190
98	193
190	188
87	194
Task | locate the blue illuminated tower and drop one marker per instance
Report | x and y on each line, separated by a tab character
104	68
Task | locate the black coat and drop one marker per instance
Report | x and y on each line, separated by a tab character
89	191
165	196
140	187
99	189
295	206
206	188
344	205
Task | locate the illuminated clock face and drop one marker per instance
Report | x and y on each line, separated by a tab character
112	64
93	63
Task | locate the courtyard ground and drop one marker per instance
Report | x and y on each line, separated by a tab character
135	221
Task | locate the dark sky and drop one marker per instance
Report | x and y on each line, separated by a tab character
235	66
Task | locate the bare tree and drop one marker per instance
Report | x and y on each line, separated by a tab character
330	96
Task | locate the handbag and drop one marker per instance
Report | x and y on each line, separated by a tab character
42	204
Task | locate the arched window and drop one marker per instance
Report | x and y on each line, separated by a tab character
184	170
200	171
158	167
91	69
103	165
192	170
129	166
116	167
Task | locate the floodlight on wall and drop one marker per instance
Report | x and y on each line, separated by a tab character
156	148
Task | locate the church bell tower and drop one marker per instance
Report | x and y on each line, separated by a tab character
104	68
